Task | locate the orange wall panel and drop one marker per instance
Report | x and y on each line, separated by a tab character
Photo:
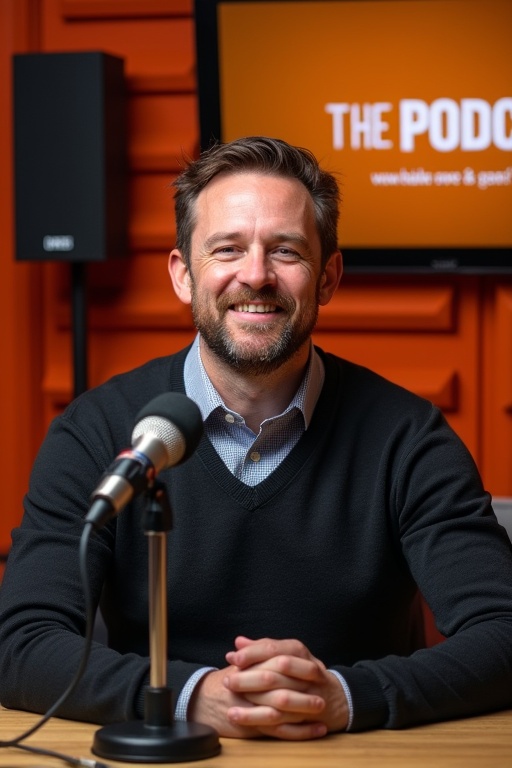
163	129
497	387
159	51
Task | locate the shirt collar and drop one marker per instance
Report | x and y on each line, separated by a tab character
200	389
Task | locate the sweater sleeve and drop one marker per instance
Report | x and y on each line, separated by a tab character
42	611
461	559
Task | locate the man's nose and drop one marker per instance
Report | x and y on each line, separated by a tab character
256	269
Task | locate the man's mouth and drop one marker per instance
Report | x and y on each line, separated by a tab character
258	308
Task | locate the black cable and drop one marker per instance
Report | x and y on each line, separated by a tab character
89	614
74	761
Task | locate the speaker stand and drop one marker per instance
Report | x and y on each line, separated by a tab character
79	326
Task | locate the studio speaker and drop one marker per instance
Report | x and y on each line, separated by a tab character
69	156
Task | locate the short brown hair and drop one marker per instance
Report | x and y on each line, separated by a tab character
261	155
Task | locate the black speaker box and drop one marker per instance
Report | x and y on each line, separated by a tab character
69	156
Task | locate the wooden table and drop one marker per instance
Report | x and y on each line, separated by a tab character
480	742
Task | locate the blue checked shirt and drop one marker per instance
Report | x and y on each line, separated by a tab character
251	458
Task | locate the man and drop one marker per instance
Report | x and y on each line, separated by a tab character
320	498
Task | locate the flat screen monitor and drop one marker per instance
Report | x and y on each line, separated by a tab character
407	102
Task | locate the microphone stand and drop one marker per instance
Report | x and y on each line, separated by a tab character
158	738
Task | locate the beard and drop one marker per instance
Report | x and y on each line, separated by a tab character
263	349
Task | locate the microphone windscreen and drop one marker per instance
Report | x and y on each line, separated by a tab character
180	411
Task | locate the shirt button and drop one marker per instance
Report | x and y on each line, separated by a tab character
255	456
229	417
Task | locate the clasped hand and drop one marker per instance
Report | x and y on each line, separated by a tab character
272	688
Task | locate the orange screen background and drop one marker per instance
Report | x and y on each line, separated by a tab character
282	63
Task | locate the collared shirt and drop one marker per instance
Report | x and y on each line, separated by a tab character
250	457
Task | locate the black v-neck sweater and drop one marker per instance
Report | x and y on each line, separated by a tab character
379	497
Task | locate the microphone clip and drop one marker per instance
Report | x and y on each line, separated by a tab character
158	513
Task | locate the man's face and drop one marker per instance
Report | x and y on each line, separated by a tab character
255	269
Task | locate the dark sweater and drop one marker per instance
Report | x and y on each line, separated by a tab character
379	497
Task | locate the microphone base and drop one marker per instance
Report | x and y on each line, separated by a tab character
137	742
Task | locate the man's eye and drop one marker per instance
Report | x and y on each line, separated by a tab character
285	253
226	250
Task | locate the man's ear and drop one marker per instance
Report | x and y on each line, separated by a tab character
330	278
180	276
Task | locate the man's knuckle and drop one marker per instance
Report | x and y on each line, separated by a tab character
283	663
283	699
268	678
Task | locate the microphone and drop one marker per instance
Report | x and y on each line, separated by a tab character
167	431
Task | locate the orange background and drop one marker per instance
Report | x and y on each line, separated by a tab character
281	63
448	338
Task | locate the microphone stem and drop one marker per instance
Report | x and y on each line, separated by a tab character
157	544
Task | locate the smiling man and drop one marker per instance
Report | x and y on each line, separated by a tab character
255	271
321	500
